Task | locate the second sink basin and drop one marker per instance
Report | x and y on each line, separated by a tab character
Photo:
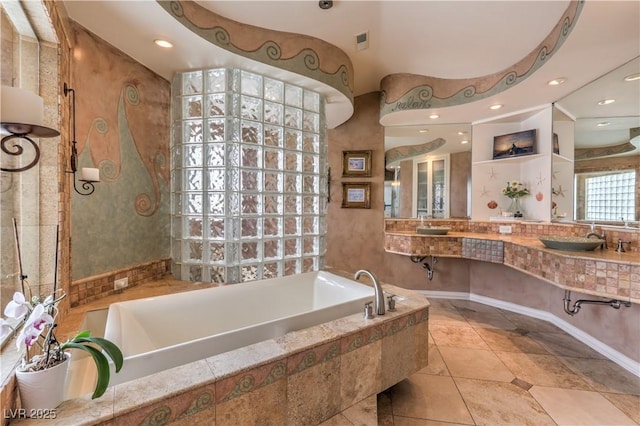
571	243
432	230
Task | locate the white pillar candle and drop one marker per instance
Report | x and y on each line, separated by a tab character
90	174
21	106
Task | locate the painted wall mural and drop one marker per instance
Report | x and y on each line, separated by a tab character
122	126
401	92
298	53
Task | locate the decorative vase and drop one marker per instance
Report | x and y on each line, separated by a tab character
44	389
516	208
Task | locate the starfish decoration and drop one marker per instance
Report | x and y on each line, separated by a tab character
559	192
484	192
492	174
541	179
554	175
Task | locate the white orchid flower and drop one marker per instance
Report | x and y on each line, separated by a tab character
18	307
34	327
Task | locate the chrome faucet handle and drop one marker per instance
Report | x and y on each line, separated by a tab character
620	248
368	310
391	302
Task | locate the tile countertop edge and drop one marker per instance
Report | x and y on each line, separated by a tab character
610	256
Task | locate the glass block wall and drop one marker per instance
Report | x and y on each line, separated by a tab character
248	177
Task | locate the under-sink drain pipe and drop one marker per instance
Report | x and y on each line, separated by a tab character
429	267
614	303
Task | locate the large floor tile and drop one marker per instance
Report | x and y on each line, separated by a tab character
485	319
429	397
459	337
530	324
510	341
604	375
408	421
436	365
446	315
475	364
578	407
542	370
494	403
562	344
628	404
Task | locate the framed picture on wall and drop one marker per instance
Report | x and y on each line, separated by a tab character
356	195
514	144
356	163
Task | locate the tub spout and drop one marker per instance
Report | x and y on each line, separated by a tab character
379	294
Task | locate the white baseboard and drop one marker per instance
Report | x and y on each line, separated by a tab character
619	358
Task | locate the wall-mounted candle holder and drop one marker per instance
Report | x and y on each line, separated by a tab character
88	176
21	117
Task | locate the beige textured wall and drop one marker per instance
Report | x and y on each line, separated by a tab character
355	236
460	181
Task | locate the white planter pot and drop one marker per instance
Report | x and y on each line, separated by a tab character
42	390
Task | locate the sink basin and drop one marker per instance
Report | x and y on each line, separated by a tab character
432	230
571	243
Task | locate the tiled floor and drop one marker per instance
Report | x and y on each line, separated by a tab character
488	367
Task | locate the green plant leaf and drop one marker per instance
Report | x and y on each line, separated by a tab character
101	364
109	347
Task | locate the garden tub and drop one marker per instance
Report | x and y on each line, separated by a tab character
159	333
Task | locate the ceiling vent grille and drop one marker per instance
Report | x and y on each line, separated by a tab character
362	40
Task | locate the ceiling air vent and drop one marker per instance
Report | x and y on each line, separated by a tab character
362	40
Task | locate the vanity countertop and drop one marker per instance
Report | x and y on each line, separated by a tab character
604	273
609	255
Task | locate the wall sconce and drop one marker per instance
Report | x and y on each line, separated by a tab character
21	117
87	175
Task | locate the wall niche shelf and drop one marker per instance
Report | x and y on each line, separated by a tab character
518	159
561	158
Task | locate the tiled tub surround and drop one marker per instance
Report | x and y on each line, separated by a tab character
605	273
93	288
304	377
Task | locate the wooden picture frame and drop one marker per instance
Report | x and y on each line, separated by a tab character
356	163
514	144
356	195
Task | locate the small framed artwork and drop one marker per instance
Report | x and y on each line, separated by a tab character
514	144
356	195
556	144
356	163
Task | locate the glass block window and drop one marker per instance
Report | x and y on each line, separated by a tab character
248	177
610	196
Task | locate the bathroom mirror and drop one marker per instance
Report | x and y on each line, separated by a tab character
606	150
428	170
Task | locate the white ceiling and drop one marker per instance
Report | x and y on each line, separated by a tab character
447	39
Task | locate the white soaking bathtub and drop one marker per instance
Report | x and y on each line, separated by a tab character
162	332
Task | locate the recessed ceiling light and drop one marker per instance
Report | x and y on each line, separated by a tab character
604	123
163	43
556	81
423	130
434	116
606	101
496	106
632	77
462	133
464	141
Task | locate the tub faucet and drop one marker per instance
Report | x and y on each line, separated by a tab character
379	294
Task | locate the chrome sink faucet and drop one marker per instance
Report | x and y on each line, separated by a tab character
379	293
602	237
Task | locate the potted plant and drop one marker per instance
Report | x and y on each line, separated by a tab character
514	191
41	376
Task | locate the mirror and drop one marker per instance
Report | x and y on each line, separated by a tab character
428	171
602	182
